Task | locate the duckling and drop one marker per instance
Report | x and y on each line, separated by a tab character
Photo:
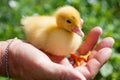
58	35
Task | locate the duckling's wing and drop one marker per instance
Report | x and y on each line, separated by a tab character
35	22
35	25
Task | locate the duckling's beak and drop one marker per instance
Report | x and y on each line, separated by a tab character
78	31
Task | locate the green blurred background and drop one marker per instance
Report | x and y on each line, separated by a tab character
104	13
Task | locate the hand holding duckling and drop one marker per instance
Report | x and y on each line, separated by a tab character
29	63
58	35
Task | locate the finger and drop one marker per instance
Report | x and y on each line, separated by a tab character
93	53
107	42
90	41
97	62
94	64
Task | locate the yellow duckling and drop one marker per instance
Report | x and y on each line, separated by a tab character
58	35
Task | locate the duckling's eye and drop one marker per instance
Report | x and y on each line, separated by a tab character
68	21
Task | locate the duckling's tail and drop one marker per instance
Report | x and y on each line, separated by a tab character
30	23
24	21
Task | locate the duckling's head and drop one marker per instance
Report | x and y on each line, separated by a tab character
68	18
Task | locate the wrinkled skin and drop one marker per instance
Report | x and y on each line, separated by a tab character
28	63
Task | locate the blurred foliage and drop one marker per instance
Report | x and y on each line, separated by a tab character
104	13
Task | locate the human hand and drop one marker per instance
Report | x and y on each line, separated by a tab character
28	63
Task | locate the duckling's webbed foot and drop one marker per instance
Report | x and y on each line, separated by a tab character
76	60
